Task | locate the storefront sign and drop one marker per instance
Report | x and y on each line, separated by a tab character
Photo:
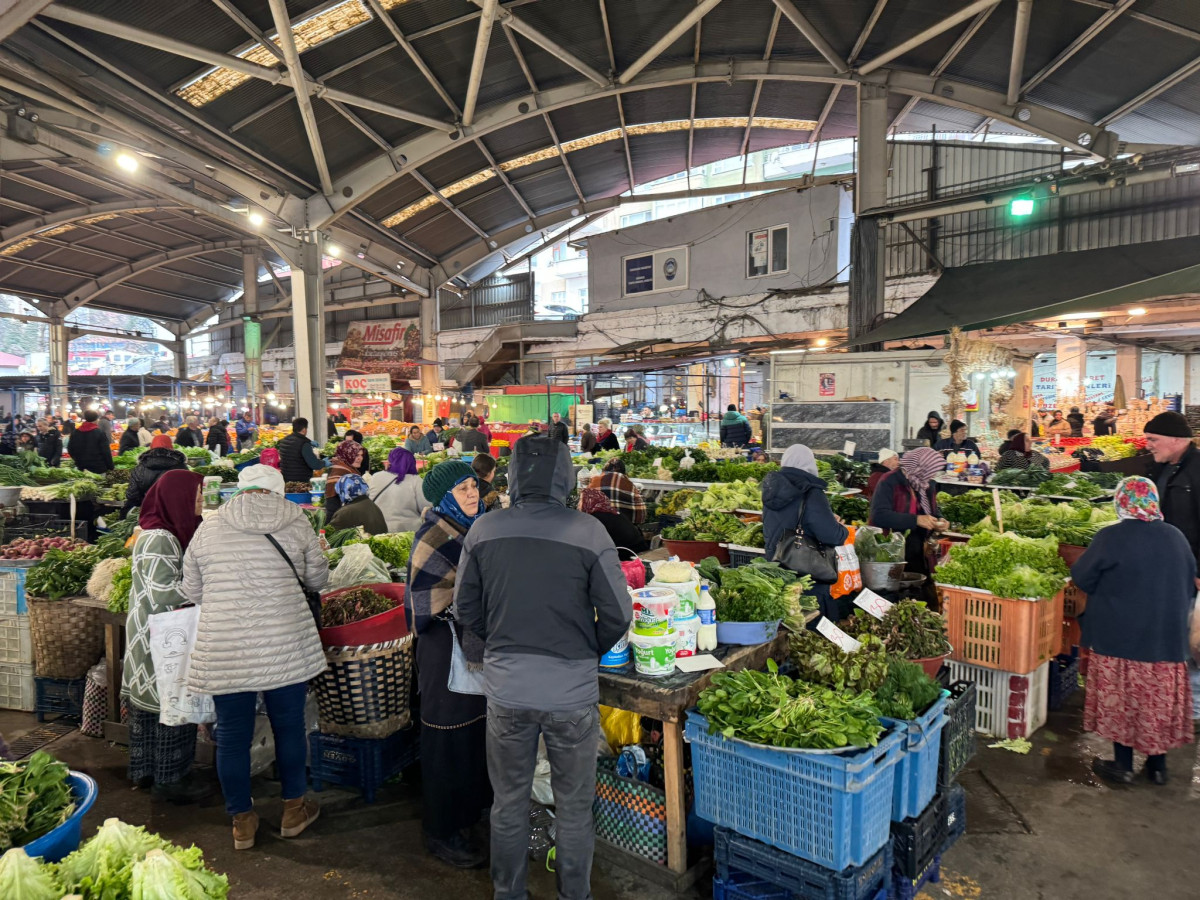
366	384
662	270
827	385
382	346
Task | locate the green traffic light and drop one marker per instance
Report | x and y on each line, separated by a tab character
1021	206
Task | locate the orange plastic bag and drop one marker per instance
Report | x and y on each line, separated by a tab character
849	572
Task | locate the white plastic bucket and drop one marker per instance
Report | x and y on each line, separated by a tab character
686	631
653	609
688	593
654	655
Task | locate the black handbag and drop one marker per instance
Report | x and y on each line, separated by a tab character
311	597
806	555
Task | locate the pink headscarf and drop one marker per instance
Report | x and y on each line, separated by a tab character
919	466
269	457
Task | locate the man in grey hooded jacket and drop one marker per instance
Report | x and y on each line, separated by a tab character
541	653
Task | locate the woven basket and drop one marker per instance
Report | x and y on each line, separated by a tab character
67	638
630	814
365	692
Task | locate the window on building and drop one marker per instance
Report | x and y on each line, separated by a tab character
766	251
582	298
635	218
559	298
727	165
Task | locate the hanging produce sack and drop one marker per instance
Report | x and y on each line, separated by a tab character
172	637
68	639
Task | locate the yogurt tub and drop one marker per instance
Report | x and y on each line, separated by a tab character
618	655
688	593
652	610
686	631
654	655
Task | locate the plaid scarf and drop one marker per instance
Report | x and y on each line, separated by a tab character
624	496
432	570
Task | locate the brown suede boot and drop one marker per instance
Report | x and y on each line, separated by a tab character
244	827
298	814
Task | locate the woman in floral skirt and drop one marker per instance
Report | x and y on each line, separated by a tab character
1139	577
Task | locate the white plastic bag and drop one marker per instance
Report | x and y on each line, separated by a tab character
358	566
172	636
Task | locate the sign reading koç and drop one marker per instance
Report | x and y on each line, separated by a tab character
385	346
366	384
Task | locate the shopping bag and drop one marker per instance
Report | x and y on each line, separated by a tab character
849	577
172	636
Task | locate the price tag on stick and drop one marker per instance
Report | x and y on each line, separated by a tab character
999	514
873	603
839	637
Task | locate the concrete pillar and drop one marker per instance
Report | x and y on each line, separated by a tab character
866	241
252	333
431	377
60	345
1129	370
308	334
1071	368
695	387
179	349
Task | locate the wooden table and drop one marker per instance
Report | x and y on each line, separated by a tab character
114	655
668	699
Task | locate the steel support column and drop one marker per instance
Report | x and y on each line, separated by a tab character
431	375
308	334
60	345
867	242
252	332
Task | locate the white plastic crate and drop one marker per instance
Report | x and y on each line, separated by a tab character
15	643
1007	705
12	591
17	689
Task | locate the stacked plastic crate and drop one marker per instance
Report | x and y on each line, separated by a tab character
16	648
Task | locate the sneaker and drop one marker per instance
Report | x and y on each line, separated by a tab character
457	852
1157	776
298	814
1110	771
244	827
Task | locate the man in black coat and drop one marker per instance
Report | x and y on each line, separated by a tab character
559	430
1177	473
190	434
49	443
89	447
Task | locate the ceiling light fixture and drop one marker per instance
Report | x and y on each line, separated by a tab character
256	219
127	162
1138	311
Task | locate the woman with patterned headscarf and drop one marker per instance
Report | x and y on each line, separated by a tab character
346	460
357	509
397	491
906	500
1139	577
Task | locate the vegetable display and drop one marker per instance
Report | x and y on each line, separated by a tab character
35	548
676	502
82	488
34	799
772	709
393	548
198	454
298	487
1076	522
227	474
736	495
870	545
965	509
849	473
909	630
1031	477
1069	486
354	606
122	583
822	662
1007	565
704	526
25	878
100	584
907	691
1113	446
750	536
62	573
850	509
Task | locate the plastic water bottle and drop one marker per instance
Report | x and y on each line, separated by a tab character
706	609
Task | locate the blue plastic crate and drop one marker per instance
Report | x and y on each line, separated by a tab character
735	854
739	556
904	888
361	762
58	697
747	887
917	772
956	815
1064	678
832	809
12	589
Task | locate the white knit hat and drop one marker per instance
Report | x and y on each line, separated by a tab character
264	478
885	454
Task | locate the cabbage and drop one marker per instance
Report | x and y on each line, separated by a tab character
22	878
161	876
674	573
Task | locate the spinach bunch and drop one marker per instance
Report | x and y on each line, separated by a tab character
907	692
747	594
822	662
34	798
62	573
909	630
772	709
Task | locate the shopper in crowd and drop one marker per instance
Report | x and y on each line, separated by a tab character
539	659
606	439
436	436
482	424
298	458
331	425
163	425
256	634
269	457
49	443
932	429
217	440
1021	455
470	439
794	498
145	435
1035	427
397	491
1075	420
1140	579
417	442
89	448
735	428
886	462
1105	423
364	467
161	458
559	429
129	437
68	429
634	441
454	771
622	493
906	501
27	442
356	508
624	534
159	755
1006	444
105	424
484	467
346	461
190	434
587	439
1058	425
246	431
958	442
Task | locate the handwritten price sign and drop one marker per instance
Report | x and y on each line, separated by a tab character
839	637
872	603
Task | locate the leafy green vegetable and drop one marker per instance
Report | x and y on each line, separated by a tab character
1007	565
821	661
164	876
772	709
227	474
34	799
61	573
909	630
750	536
676	502
197	453
850	509
848	472
1031	477
22	878
704	526
354	606
1069	486
966	509
122	583
907	692
746	594
1070	523
394	548
736	495
871	546
1016	745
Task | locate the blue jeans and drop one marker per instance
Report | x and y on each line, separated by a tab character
235	731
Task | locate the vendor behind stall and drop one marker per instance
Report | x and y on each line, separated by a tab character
1058	425
1021	455
931	431
958	442
886	462
906	500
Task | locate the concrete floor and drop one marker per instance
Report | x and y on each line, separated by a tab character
1039	827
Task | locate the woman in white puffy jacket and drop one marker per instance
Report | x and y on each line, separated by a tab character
256	633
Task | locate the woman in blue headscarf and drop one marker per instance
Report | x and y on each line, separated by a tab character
454	774
397	491
357	508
